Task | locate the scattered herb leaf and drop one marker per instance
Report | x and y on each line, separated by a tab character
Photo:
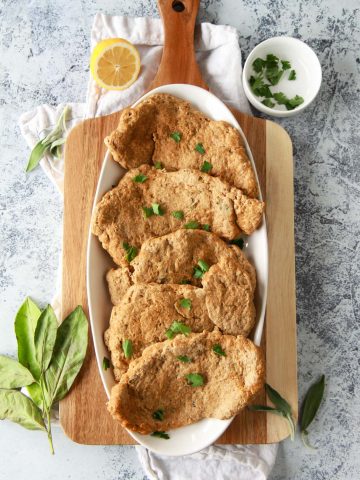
131	251
148	212
176	136
200	269
258	65
268	103
292	75
185	303
177	328
184	358
310	407
158	414
294	102
195	379
218	350
105	363
157	209
140	178
199	148
163	435
127	347
206	167
158	165
13	374
286	65
179	214
193	224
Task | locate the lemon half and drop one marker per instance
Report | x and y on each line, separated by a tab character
115	64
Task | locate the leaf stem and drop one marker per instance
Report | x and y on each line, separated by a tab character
47	415
49	432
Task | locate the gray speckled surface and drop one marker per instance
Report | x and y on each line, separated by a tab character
44	59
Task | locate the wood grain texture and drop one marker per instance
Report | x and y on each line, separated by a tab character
83	413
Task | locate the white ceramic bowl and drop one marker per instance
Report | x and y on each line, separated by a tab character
189	439
303	60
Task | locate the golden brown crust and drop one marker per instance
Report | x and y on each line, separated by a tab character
119	216
157	380
143	137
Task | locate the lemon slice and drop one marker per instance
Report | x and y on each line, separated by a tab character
115	64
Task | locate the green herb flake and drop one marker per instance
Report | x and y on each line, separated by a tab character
200	269
268	103
157	209
179	214
193	224
195	379
127	347
163	435
206	227
292	75
274	75
105	364
258	65
239	242
206	167
286	65
140	178
131	251
158	165
259	88
185	303
294	102
176	136
177	328
158	415
184	281
199	148
281	98
148	212
203	265
184	358
218	350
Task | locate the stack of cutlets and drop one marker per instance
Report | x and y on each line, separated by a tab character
183	295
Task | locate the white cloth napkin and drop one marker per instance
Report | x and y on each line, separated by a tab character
219	57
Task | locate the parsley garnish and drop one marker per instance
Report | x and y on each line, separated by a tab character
176	136
158	414
157	209
140	178
185	303
195	379
148	212
179	214
158	165
127	347
281	98
286	65
218	350
191	225
268	103
163	435
258	65
260	88
176	328
292	75
206	167
105	363
184	358
200	269
206	227
290	103
131	251
238	242
199	148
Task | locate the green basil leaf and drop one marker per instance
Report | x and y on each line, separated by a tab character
25	325
163	435
140	178
179	214
199	148
312	403
206	167
13	374
218	350
184	358
44	338
131	251
158	414
68	355
36	155
127	347
18	408
195	379
176	136
279	402
185	303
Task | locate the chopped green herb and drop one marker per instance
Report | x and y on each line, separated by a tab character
191	225
281	98
292	75
239	242
268	103
200	269
157	209
199	148
163	435
286	65
294	102
206	227
259	88
185	282
271	60
179	214
206	167
176	328
131	251
218	350
105	363
258	65
127	347
274	74
140	178
195	379
184	358
158	414
148	212
158	165
176	136
185	303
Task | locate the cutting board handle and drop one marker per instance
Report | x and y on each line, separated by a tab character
178	63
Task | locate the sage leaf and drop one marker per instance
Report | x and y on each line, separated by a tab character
36	155
18	408
13	374
68	355
279	402
310	407
25	325
45	335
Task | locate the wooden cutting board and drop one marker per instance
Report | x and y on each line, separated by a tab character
83	413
